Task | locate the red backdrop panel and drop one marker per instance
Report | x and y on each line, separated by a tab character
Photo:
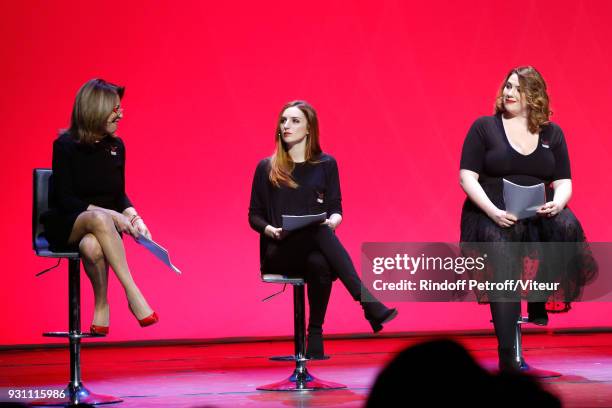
396	85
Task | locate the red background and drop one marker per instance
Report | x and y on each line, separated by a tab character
396	85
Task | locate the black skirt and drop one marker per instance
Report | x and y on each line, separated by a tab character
58	227
553	250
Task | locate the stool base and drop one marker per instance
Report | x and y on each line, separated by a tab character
76	396
538	373
303	381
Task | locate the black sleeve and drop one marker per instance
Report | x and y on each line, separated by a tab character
65	197
559	150
334	197
123	201
259	198
473	153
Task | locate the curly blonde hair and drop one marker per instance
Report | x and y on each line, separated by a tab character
533	89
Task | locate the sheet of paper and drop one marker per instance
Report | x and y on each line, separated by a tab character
523	201
160	252
295	222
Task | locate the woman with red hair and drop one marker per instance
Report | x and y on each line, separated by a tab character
299	179
520	143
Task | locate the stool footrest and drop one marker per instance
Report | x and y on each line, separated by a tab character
521	320
72	335
287	358
293	358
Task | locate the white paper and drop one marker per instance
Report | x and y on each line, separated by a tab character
160	252
523	201
295	222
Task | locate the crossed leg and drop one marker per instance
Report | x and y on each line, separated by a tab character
96	268
95	232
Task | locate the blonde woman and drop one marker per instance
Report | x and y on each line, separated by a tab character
89	207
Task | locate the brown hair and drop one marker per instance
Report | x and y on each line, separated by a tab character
93	105
281	165
533	89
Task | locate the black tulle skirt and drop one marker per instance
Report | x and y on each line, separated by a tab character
544	249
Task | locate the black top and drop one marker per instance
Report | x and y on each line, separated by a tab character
318	191
488	152
88	174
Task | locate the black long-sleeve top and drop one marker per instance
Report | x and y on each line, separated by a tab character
318	191
88	174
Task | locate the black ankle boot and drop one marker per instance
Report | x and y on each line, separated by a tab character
314	347
537	313
377	314
508	362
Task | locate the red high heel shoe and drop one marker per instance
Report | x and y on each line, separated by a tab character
149	320
145	321
95	329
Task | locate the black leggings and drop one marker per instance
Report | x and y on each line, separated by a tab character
505	315
317	255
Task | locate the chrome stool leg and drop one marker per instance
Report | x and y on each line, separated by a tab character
301	379
75	393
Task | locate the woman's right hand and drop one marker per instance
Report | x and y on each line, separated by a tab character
122	223
502	218
274	233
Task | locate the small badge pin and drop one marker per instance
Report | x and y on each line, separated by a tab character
320	198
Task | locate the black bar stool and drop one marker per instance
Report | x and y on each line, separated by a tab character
75	393
301	379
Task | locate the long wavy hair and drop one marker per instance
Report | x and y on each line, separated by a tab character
533	90
93	105
281	164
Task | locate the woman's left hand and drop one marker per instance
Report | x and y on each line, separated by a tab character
330	223
550	209
142	229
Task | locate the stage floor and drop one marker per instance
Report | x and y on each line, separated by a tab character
226	375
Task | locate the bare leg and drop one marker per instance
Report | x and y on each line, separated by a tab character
101	225
97	270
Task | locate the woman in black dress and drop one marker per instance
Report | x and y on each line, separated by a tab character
88	205
520	144
300	179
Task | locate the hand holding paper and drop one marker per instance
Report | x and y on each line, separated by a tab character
295	222
523	201
550	209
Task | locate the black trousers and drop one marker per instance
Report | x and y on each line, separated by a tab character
317	255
